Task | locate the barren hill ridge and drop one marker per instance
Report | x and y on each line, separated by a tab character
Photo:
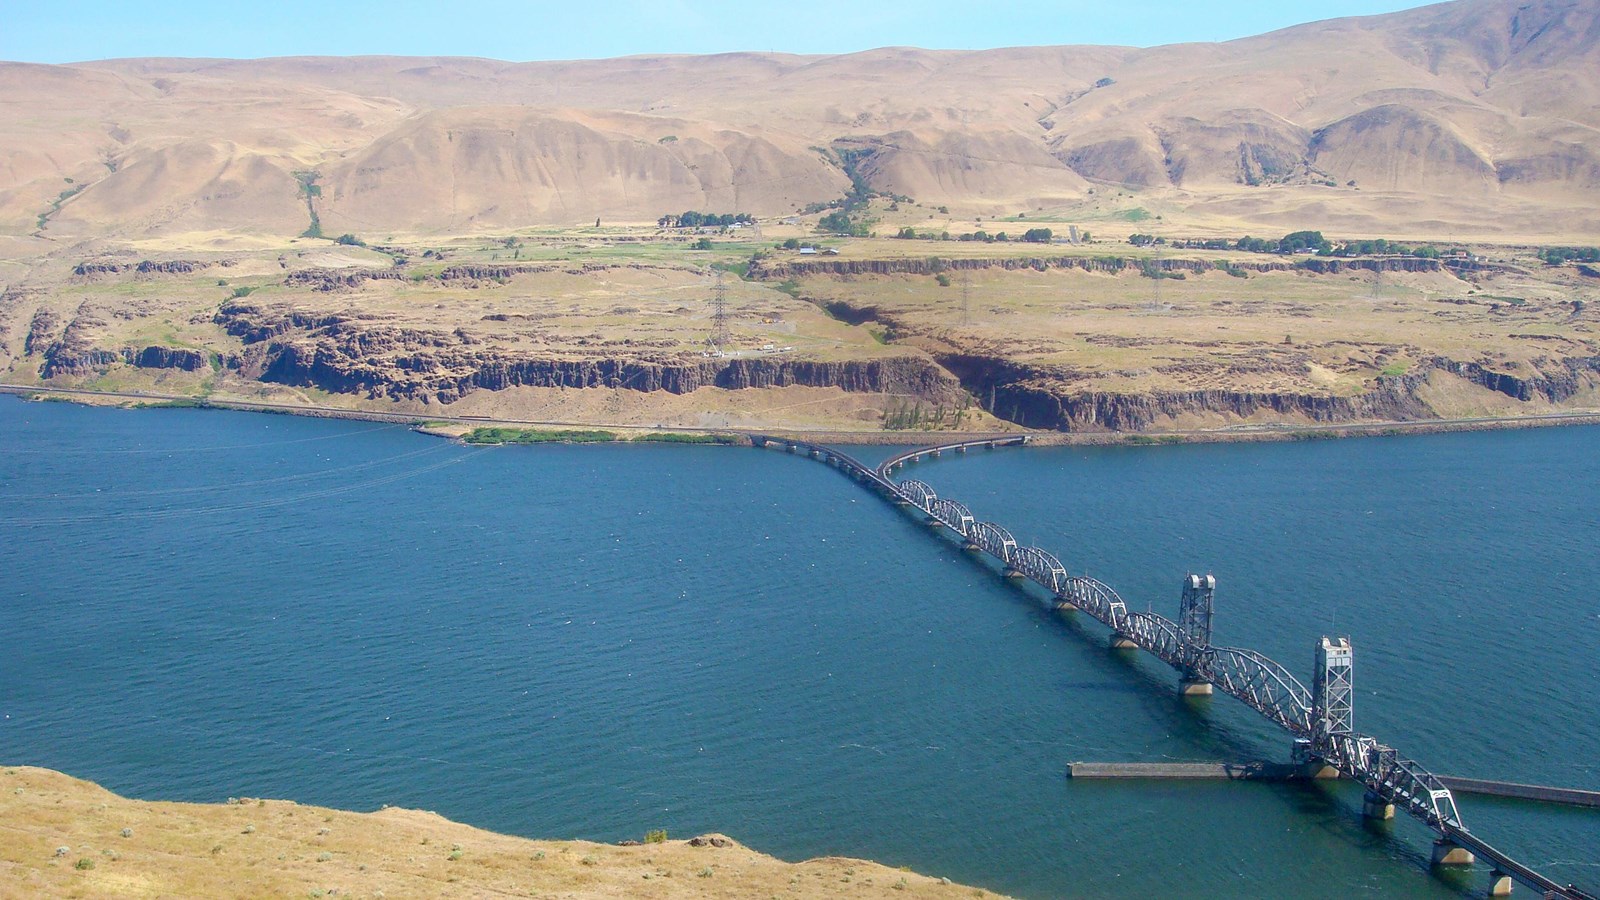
1461	117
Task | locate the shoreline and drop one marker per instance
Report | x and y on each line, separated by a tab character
1228	434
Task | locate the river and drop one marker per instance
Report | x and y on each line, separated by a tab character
595	641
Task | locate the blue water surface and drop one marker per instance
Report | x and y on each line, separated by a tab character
594	641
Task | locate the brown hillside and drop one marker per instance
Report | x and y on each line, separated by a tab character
1479	117
71	838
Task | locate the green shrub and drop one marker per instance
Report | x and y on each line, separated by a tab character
670	437
532	436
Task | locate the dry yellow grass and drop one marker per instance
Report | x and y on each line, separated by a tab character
1276	331
62	837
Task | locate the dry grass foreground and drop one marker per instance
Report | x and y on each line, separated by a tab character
62	837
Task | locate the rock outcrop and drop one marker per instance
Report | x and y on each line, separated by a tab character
345	355
90	269
1045	397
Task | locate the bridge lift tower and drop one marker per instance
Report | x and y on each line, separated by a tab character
1194	623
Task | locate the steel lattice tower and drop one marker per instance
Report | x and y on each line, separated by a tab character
718	342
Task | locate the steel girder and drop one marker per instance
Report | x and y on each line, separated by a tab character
954	514
1261	684
1041	567
1160	636
994	540
921	495
1098	600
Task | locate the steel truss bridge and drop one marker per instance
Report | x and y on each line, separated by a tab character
1319	718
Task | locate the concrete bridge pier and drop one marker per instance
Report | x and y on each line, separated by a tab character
1120	641
1014	573
1062	604
1318	769
1499	884
1449	853
971	546
1190	687
1375	807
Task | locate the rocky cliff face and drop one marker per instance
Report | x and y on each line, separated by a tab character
345	356
90	269
1041	397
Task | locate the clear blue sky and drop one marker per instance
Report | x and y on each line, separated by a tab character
73	30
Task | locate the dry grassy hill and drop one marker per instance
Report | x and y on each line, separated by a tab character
1473	118
71	838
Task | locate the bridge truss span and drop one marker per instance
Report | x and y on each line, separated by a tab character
953	514
921	496
1098	600
1159	636
1387	773
1261	684
994	540
1041	567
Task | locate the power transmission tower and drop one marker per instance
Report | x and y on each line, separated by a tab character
718	342
1156	273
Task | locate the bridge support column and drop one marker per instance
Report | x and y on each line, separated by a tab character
1499	884
1120	641
1375	807
971	546
933	522
1062	604
1318	769
1192	688
1448	853
1014	573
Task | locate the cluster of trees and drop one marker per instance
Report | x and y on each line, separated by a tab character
1032	236
797	244
1296	242
1381	246
843	223
906	416
693	219
1555	256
